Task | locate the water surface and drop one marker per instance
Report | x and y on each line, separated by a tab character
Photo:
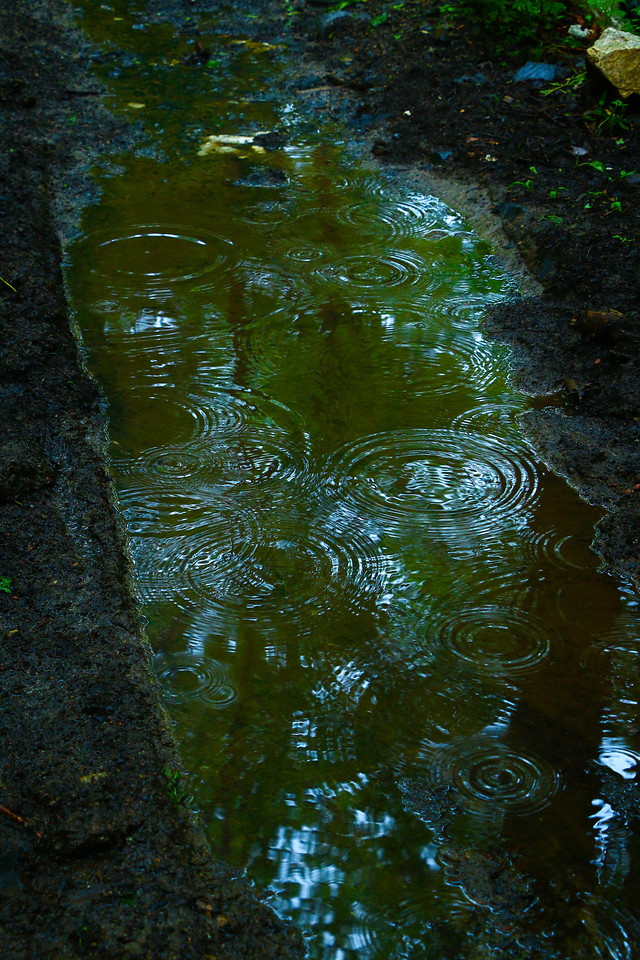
407	697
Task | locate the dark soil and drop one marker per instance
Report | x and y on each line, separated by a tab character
100	855
434	92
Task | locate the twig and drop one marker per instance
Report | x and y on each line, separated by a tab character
18	819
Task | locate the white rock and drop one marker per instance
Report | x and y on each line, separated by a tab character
230	143
580	33
617	56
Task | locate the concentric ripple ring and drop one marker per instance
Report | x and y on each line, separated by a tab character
367	272
489	776
412	217
458	483
296	566
187	677
494	640
157	256
202	562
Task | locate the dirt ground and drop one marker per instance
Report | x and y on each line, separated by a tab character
99	854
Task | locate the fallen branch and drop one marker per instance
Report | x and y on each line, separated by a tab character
18	819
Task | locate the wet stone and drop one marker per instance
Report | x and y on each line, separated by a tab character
272	141
336	16
440	156
263	178
475	79
616	55
508	211
537	71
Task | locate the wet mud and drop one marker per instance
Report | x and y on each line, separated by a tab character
100	852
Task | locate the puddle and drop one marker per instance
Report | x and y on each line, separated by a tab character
407	696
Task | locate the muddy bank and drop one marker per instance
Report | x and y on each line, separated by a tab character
100	853
432	93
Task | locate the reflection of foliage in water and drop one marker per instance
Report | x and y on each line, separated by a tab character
289	560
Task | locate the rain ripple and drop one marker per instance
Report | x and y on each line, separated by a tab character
489	778
462	304
414	216
266	212
606	931
157	257
491	416
319	567
199	564
300	255
459	483
188	677
224	464
493	640
554	548
219	439
398	269
214	413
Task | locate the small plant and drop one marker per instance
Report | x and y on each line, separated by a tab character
177	794
610	116
8	284
343	4
527	184
624	15
563	86
521	19
5	584
596	164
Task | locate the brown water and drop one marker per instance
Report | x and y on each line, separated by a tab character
407	697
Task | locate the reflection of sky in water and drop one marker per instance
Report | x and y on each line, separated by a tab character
619	757
389	652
